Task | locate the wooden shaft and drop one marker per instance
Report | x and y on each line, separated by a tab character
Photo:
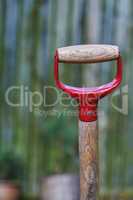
88	150
88	53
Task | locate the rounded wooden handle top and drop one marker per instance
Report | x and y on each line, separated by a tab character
88	53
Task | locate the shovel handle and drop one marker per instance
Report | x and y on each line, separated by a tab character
88	99
88	53
88	150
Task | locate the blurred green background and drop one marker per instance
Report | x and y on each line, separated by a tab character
34	145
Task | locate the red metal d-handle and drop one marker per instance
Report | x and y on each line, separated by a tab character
88	97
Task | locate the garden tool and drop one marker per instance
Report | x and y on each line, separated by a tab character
88	99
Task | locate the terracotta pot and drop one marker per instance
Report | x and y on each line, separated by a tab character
9	191
60	187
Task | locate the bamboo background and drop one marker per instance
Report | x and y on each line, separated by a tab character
30	31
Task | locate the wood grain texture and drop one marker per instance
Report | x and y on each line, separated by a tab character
88	53
88	149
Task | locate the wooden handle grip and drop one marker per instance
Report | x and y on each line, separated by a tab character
88	150
88	53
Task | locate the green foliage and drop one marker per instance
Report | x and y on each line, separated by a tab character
11	167
60	140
